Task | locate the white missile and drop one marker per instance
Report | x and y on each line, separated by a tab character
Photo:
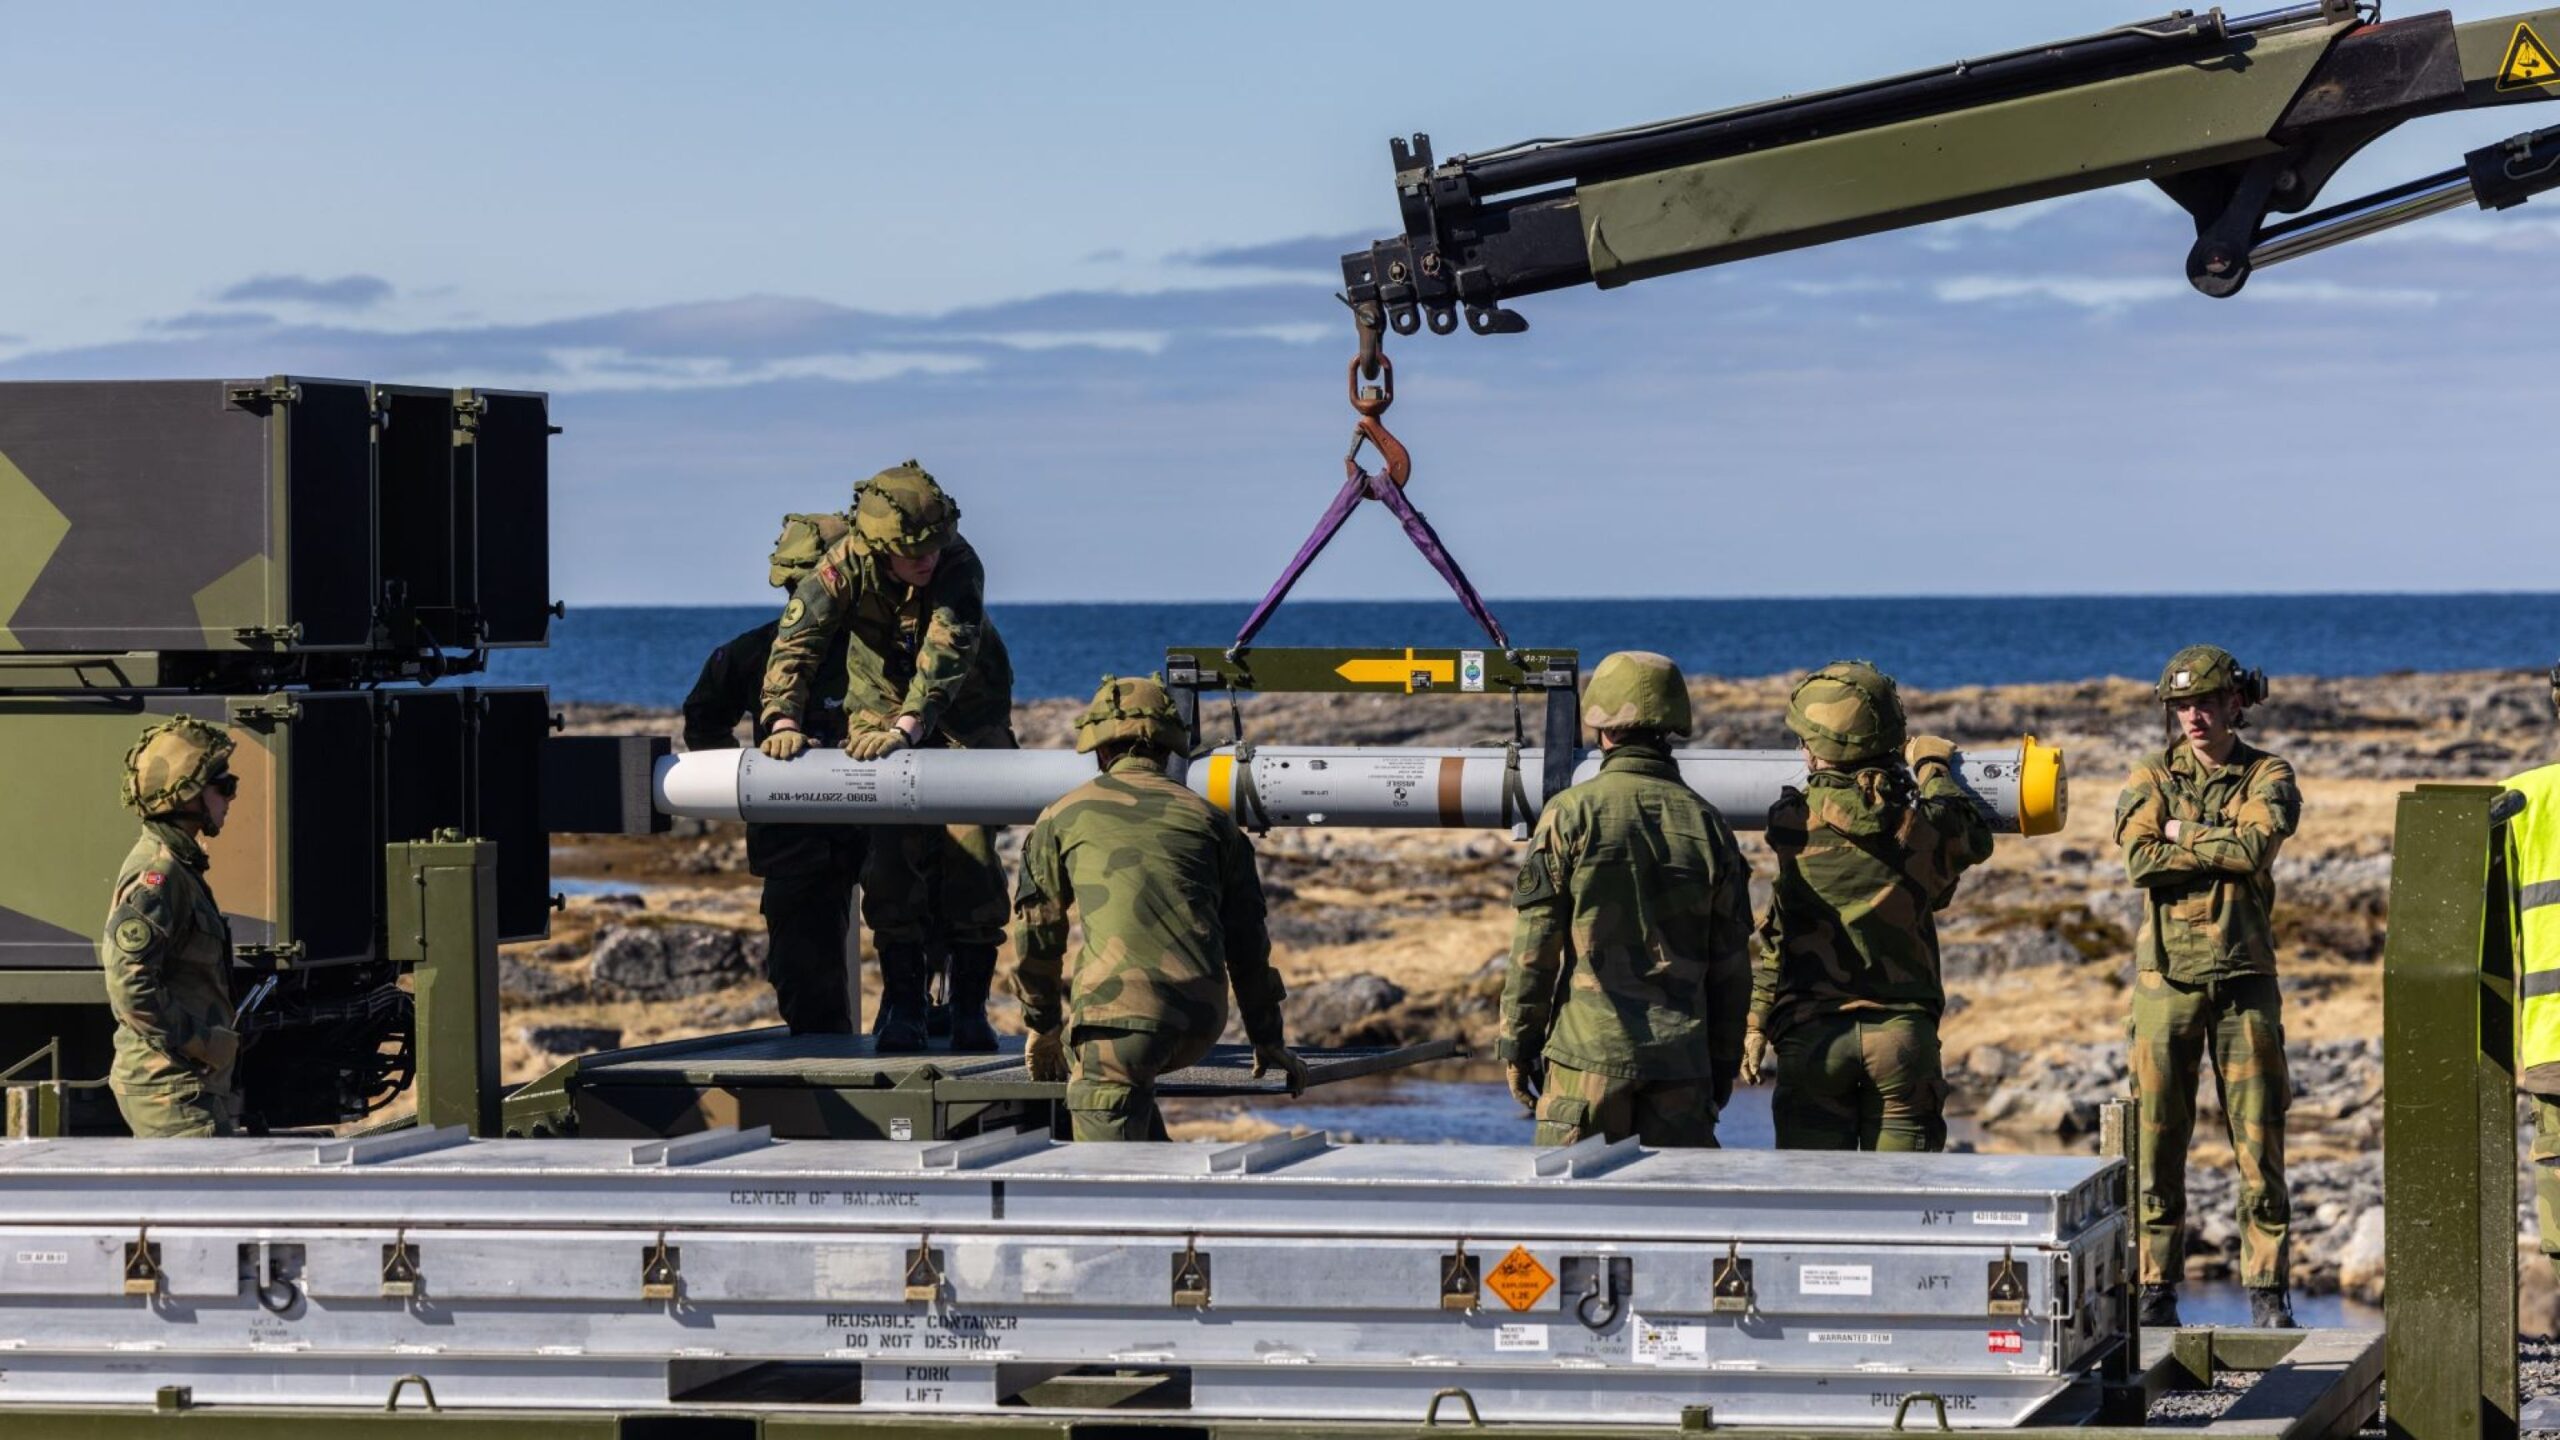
2022	789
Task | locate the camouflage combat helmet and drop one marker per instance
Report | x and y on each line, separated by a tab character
1637	690
903	512
804	538
1847	712
172	764
2208	670
1130	710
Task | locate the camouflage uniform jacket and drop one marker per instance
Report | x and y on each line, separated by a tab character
924	652
2209	895
1636	884
1172	911
732	685
167	953
1866	859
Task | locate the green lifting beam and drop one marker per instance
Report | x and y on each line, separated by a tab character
2449	1166
440	918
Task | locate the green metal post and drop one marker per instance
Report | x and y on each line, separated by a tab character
2449	1164
441	919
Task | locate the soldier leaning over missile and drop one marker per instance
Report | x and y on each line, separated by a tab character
924	667
808	870
1173	917
1845	990
2201	823
1635	900
167	949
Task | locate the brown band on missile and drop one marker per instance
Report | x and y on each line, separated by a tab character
1453	770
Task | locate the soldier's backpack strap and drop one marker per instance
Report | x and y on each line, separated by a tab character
1257	820
1515	795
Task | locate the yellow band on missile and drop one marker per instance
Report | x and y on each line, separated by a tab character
1222	782
2044	796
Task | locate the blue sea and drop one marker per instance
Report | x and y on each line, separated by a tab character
649	655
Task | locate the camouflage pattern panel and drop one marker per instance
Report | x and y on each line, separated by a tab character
1665	1114
2208	896
91	474
912	652
934	884
1861	1080
1635	898
1866	859
1171	908
1111	1091
2237	1025
167	957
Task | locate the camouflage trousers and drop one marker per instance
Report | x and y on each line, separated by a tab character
1111	1092
805	919
2238	1024
186	1108
935	885
1861	1080
1665	1114
2546	1177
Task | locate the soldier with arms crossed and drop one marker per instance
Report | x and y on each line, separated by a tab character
1635	898
167	949
2201	823
1845	994
1173	917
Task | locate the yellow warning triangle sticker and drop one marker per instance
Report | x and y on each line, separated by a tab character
2529	62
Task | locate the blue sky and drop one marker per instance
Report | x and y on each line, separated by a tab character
1079	260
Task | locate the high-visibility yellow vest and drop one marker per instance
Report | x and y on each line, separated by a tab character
2533	865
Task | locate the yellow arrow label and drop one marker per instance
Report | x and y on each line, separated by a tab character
2529	62
1406	671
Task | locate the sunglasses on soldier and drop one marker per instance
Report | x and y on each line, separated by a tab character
226	785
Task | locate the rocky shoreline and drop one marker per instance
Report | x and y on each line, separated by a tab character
1389	936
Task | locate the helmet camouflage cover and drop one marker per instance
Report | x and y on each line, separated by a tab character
903	511
1136	710
1637	690
1847	712
172	763
2202	670
803	540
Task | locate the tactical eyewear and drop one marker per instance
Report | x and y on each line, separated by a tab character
225	785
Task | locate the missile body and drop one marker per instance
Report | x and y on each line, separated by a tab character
2021	790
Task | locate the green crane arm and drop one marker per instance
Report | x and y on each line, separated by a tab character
2237	118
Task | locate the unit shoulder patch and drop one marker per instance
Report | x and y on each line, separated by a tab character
154	879
792	612
2530	61
133	935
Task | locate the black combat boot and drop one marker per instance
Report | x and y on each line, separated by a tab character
899	1027
973	969
2159	1307
2270	1308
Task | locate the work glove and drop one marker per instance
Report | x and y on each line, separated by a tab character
1523	1081
1047	1055
1267	1058
873	744
1759	1057
785	744
1922	750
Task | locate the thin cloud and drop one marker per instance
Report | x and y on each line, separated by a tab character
346	292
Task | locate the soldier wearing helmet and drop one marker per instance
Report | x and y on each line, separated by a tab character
808	870
166	948
1173	919
2201	823
1630	949
923	666
1845	992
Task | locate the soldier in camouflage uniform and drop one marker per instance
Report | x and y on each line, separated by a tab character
1845	990
167	949
923	667
1630	952
1173	917
808	870
2201	823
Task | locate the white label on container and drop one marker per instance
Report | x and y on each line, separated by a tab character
1999	1217
1661	1341
1510	1338
1471	671
44	1257
1849	1337
1836	1280
902	1129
